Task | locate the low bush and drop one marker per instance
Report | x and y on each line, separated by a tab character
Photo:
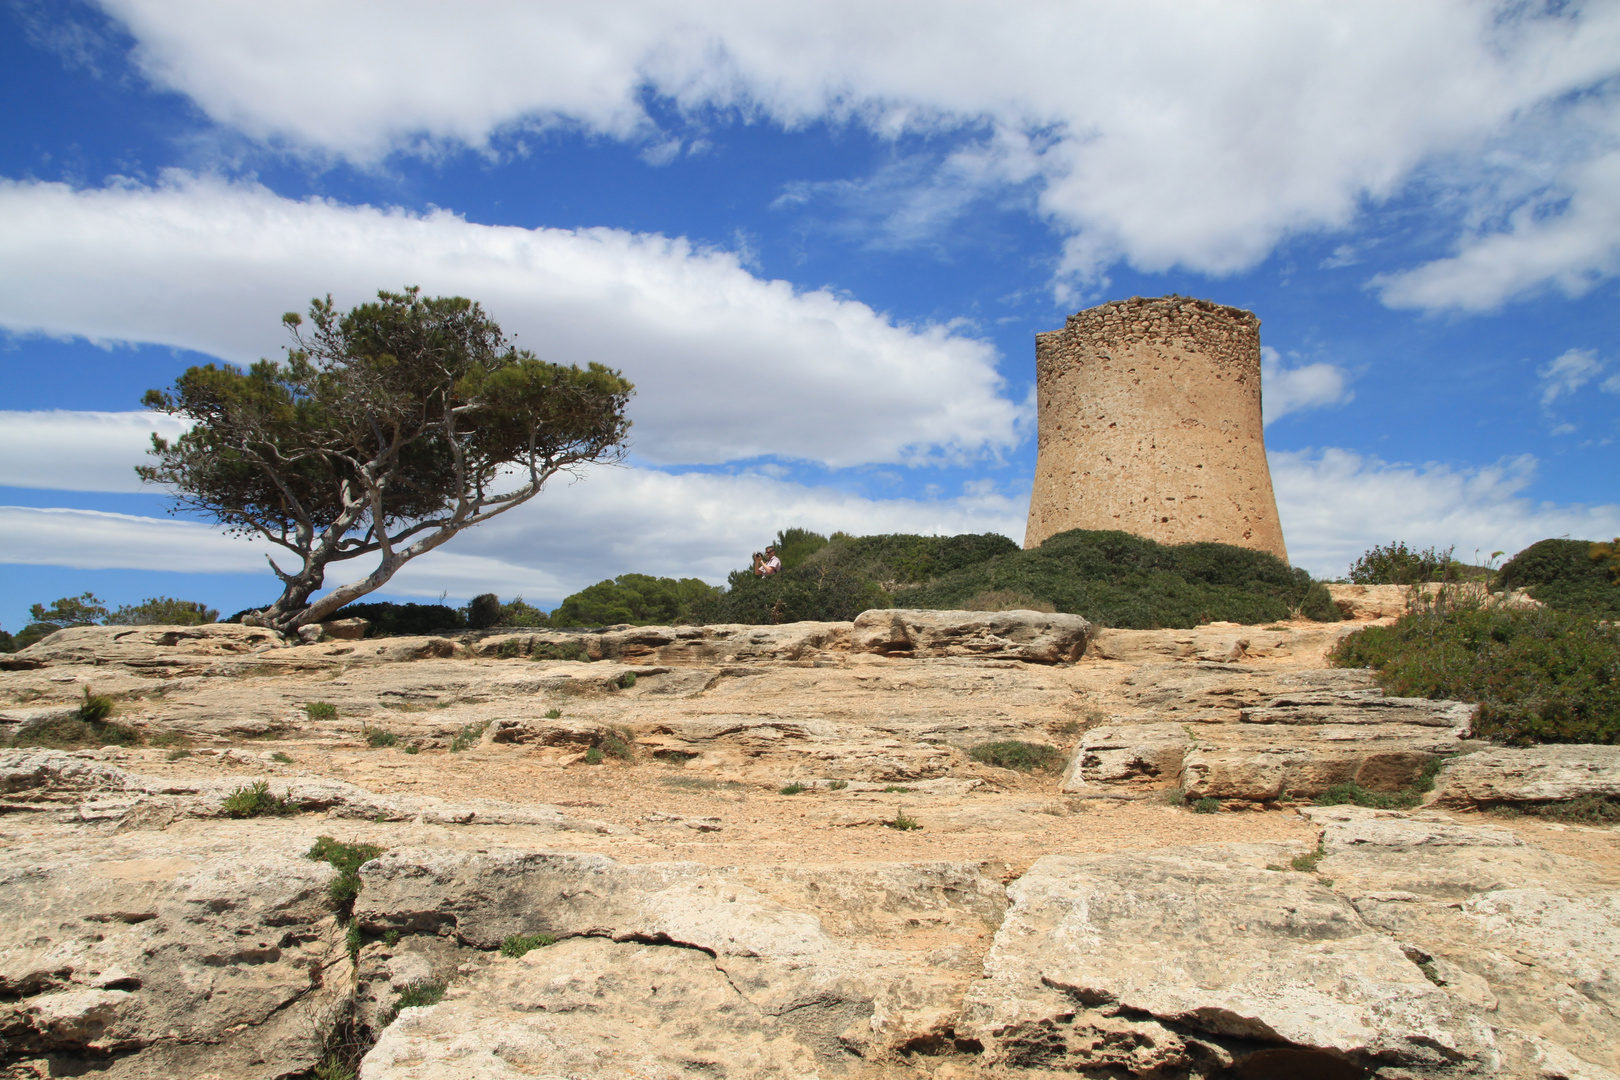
794	788
1354	794
281	758
256	800
903	822
559	650
638	599
168	738
377	738
517	945
468	736
88	726
1396	564
617	745
163	611
177	754
553	714
627	680
593	756
1575	576
1017	754
404	620
1206	805
1539	675
347	860
320	710
1121	580
1583	810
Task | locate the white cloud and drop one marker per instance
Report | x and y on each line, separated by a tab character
1567	373
79	451
1336	504
1162	133
618	520
1571	247
1287	390
728	366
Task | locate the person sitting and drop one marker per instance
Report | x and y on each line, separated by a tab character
771	565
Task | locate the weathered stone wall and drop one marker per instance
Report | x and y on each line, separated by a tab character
1150	423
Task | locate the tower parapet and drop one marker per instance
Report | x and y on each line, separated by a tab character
1149	421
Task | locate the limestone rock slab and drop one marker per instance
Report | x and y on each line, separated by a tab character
1120	755
1153	963
1537	774
1033	636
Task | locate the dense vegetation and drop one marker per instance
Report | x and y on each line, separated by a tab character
635	598
1576	576
1397	564
1539	675
87	610
1120	580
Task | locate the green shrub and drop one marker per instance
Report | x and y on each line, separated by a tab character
903	821
1121	580
510	649
468	736
1306	864
256	800
897	787
95	707
483	611
559	650
638	599
1206	805
353	939
1539	675
377	737
838	785
347	860
518	945
616	745
416	995
1582	810
627	680
1396	564
553	714
321	710
792	789
593	756
333	1068
404	620
280	757
413	749
168	738
1566	575
177	754
163	611
1017	754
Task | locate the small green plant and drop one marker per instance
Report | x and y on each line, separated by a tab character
1583	810
791	789
1404	799
615	745
391	938
838	785
256	800
898	787
903	821
333	1068
377	738
281	758
521	944
413	749
95	707
347	860
468	736
627	680
414	996
176	754
1306	864
510	649
353	939
553	714
320	710
1019	755
554	650
593	756
1206	805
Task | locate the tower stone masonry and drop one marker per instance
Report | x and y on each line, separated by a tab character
1149	421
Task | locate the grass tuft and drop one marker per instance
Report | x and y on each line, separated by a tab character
414	996
1019	755
791	789
256	800
903	821
838	785
521	944
347	859
468	736
1206	805
553	714
377	738
320	710
281	758
593	756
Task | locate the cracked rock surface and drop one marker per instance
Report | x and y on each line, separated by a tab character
736	894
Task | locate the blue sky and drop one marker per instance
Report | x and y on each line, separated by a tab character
820	240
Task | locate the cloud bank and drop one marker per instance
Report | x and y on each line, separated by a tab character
728	366
1156	132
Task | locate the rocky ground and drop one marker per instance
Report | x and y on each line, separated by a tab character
619	795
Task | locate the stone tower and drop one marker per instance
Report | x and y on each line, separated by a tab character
1150	423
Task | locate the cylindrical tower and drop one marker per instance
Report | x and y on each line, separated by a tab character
1150	423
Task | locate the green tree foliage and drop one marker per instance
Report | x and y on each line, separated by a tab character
404	620
638	599
1121	580
810	592
387	431
517	613
163	611
483	611
1396	564
793	546
1566	575
1539	675
82	610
